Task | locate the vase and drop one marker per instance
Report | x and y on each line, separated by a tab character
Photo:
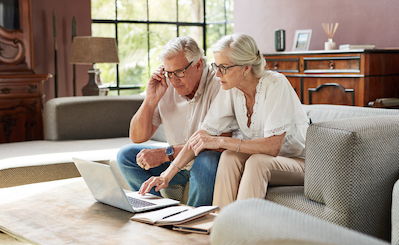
329	45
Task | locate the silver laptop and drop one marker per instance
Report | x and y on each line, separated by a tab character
105	188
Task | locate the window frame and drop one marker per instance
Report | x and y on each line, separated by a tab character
178	24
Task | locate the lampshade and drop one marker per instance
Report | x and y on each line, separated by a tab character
90	50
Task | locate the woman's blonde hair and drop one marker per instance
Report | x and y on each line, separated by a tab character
241	49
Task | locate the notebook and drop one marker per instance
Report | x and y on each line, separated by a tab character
105	188
201	225
173	215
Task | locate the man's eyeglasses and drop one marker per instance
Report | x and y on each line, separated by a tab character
178	73
221	68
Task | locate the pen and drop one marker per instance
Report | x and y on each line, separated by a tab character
167	216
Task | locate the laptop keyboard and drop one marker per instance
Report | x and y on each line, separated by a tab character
137	203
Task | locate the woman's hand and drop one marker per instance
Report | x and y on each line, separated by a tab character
157	182
201	140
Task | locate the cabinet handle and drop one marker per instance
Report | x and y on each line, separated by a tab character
275	66
5	90
331	64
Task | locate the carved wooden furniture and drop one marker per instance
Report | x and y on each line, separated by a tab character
21	91
353	77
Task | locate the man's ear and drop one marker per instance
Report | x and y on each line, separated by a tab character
199	64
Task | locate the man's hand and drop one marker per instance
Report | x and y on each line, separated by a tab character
151	158
201	140
157	182
157	85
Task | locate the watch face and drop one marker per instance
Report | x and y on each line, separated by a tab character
170	151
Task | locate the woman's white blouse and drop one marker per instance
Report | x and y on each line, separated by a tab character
277	110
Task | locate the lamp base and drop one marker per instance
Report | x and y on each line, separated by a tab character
91	88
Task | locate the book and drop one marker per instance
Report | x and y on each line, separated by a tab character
173	215
201	225
356	46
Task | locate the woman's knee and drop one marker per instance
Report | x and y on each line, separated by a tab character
260	161
229	157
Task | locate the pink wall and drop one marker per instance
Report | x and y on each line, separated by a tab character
41	13
360	21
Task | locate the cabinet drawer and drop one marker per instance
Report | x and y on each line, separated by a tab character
344	64
283	65
19	89
343	91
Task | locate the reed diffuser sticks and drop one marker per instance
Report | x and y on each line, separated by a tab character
330	29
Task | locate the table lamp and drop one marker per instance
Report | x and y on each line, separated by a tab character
88	50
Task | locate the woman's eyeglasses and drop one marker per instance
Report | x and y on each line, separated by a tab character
222	69
178	73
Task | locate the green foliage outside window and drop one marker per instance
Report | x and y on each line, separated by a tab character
141	33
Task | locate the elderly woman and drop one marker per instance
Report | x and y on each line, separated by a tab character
269	125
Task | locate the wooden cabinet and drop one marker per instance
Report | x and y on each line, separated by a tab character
353	77
21	91
21	107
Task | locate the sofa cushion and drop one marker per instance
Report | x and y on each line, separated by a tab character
324	113
293	197
89	117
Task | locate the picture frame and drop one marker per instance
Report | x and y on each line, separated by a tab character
302	40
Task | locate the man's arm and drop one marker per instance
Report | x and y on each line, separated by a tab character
152	158
141	127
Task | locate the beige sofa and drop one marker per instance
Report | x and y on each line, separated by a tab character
351	166
95	128
92	128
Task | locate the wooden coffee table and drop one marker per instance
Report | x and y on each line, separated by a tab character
64	212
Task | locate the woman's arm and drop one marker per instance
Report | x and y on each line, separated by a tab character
200	141
270	145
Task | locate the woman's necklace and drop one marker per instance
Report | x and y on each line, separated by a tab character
249	106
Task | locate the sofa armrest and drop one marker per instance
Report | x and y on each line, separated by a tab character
257	221
89	117
351	166
395	214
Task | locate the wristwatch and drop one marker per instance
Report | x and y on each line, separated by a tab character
169	151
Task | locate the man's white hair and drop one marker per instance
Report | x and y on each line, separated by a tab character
241	49
186	44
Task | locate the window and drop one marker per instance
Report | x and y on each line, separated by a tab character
143	27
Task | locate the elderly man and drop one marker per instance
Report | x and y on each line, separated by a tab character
179	95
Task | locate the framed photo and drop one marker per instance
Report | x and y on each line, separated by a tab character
302	40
